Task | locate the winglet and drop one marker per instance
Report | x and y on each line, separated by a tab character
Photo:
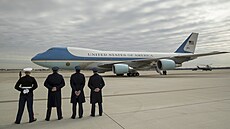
189	45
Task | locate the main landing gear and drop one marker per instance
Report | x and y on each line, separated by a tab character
133	74
164	72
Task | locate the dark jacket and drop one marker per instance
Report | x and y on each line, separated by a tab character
26	81
96	81
54	98
77	82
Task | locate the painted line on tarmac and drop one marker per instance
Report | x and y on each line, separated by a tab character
114	121
129	94
176	106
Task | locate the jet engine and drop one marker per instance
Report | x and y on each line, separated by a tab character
166	64
120	69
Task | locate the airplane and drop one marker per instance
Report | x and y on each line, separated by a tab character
203	68
120	62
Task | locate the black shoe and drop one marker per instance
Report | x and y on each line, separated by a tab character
60	118
47	119
16	122
35	119
100	114
80	117
72	117
92	115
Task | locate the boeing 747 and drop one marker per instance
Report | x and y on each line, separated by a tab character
120	62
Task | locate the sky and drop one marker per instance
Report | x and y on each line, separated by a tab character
29	27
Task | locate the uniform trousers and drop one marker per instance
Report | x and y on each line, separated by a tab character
21	105
80	110
59	113
93	109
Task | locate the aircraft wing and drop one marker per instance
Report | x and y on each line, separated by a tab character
152	61
201	54
140	63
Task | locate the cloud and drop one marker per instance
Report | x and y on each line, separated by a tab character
29	27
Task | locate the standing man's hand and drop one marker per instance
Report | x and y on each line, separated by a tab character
54	89
97	90
77	93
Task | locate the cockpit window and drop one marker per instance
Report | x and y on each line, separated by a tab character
50	49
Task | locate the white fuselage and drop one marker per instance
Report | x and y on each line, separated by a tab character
68	58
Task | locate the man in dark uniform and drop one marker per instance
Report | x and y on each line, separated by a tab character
28	85
54	82
77	82
96	83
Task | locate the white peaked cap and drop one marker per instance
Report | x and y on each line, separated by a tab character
27	69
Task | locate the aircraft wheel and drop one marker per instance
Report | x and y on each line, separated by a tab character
120	75
133	74
164	72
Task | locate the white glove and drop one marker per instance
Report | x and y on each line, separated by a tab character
26	91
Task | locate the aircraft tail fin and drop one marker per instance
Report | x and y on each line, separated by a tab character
189	45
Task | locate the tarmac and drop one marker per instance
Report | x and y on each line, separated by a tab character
180	100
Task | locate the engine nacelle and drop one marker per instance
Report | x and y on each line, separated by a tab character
120	68
166	64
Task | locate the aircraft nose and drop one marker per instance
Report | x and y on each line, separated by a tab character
33	58
36	57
